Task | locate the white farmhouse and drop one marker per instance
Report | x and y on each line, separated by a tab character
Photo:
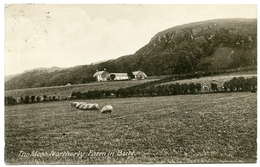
120	76
101	75
139	75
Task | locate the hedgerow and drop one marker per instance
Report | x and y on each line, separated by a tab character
154	88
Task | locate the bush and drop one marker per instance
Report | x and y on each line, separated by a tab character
9	100
38	99
214	87
192	88
77	95
27	99
241	84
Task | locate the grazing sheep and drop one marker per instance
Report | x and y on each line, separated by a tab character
90	106
73	104
107	109
82	105
79	104
93	106
96	105
86	107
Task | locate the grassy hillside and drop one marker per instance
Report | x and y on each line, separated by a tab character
202	46
207	128
8	77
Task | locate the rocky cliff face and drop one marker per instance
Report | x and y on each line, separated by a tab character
199	46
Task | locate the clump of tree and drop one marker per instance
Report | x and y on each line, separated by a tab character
9	100
241	84
131	75
112	77
214	87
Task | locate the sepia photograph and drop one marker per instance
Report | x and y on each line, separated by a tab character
130	83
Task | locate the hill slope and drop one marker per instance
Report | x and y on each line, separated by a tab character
201	46
8	77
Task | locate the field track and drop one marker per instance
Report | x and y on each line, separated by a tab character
171	129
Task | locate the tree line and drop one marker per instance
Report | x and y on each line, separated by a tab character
154	88
9	100
150	89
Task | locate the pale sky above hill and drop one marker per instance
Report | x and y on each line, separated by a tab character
70	35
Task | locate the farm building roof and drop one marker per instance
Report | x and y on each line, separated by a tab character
98	73
120	74
136	72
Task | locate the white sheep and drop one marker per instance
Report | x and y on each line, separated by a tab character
107	109
86	107
82	105
79	104
94	106
73	104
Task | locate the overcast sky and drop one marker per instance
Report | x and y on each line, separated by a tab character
70	35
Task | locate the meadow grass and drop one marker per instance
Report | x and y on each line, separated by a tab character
204	128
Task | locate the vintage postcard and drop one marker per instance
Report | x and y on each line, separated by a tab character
130	83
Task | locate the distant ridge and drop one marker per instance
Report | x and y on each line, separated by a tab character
98	62
8	77
51	69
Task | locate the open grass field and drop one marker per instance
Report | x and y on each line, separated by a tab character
66	91
172	129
